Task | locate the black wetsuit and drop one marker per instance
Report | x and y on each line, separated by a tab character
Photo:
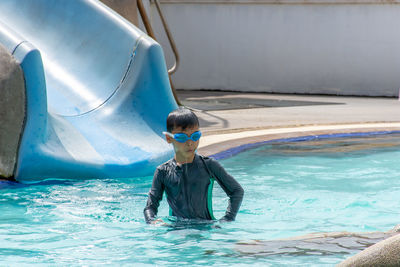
187	186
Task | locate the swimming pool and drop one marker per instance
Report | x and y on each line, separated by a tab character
291	189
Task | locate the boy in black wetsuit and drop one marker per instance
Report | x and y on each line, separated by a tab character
187	178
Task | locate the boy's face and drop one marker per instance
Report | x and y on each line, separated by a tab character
187	149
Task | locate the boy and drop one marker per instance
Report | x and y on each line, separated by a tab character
187	178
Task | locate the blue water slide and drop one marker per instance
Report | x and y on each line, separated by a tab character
97	90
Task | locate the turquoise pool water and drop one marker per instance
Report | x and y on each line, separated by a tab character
291	189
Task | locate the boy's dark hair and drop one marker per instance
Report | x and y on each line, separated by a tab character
181	117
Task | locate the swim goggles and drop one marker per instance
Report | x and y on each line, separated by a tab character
182	137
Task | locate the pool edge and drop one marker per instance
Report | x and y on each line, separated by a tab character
220	146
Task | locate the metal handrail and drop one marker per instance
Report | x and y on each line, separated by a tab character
145	18
170	38
150	32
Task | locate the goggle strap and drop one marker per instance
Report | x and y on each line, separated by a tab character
169	134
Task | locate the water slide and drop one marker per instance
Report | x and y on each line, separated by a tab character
97	91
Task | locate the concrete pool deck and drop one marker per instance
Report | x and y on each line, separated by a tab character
230	119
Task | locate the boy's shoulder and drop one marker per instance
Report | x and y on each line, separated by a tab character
207	160
166	165
203	157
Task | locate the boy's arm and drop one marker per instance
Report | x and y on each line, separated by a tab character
231	187
154	198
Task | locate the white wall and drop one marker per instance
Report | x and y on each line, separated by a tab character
320	48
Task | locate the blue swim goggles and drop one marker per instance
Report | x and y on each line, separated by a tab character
182	137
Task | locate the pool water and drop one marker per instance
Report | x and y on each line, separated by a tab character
291	189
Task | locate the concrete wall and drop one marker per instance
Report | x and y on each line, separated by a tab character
293	46
12	111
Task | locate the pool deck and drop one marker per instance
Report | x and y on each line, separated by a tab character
231	119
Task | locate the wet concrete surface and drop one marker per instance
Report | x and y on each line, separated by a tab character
319	244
